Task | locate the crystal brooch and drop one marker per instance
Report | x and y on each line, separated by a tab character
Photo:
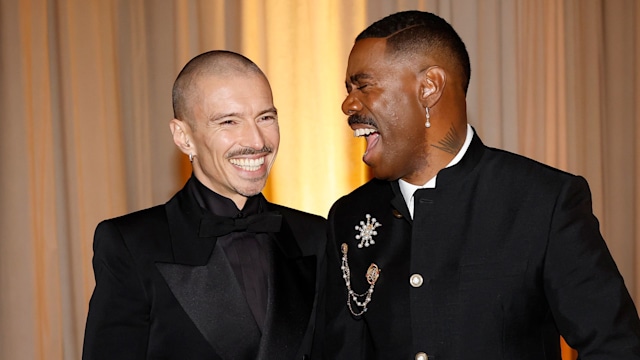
367	231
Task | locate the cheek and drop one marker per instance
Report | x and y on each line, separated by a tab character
212	151
401	112
219	146
275	138
389	108
272	137
406	139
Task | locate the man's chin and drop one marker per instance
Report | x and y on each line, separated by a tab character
380	174
252	189
373	166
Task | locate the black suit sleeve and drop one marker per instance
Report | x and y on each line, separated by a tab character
586	293
118	321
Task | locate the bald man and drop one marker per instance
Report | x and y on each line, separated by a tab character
218	272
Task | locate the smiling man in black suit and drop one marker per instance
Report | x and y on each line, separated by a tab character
218	272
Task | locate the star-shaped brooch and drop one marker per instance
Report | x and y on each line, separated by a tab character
367	231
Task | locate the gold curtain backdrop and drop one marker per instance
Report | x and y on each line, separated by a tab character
85	93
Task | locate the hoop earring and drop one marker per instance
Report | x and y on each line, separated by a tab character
428	123
191	157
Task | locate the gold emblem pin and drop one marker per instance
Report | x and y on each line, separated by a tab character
373	273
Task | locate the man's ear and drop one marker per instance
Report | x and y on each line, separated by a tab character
432	85
182	136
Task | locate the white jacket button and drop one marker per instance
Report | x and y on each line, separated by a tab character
416	281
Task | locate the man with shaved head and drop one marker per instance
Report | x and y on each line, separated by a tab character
458	251
217	272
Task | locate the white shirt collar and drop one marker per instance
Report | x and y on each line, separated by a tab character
407	189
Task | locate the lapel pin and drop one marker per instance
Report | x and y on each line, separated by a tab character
367	231
396	214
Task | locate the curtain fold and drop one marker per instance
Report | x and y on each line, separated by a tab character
86	96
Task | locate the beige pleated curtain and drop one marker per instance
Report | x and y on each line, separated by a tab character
85	104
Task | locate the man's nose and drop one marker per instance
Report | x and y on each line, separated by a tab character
253	136
351	105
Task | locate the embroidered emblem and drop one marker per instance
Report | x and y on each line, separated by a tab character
367	231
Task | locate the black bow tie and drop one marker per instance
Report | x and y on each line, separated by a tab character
214	225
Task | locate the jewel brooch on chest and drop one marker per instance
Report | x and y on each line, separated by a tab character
367	231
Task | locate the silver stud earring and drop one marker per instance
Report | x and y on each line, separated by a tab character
190	157
428	123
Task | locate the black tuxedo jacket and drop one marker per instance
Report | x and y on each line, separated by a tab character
163	292
510	256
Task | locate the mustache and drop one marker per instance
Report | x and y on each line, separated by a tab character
361	119
250	151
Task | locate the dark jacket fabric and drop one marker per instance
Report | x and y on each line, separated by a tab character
164	292
510	255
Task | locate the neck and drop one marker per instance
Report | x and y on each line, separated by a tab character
444	144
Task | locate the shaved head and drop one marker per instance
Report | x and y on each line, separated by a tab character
218	63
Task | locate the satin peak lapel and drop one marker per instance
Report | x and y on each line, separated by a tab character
213	300
292	287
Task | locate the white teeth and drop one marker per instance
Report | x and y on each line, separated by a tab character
248	164
363	132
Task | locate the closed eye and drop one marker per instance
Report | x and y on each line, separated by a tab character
268	117
360	81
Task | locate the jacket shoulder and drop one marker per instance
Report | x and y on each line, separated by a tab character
309	230
142	220
301	218
524	170
139	215
373	191
140	231
521	163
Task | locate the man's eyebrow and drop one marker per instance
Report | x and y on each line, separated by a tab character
355	78
220	116
269	110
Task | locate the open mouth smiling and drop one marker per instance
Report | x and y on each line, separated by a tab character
248	164
364	126
370	134
364	132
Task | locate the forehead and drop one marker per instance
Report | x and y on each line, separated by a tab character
370	58
211	82
366	55
244	92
